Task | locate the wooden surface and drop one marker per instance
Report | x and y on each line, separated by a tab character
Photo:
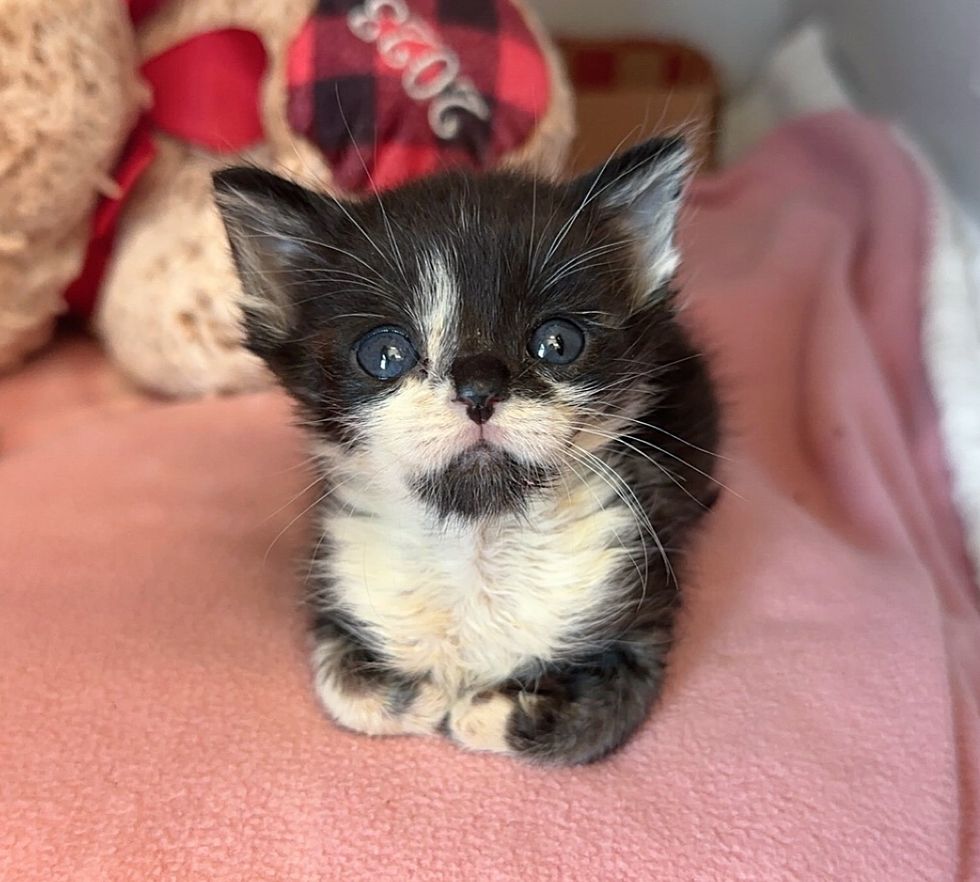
628	90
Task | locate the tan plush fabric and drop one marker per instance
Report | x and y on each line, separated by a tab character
69	95
167	314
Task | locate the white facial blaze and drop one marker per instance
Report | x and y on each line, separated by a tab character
437	311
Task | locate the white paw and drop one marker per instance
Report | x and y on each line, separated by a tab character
426	711
479	722
383	711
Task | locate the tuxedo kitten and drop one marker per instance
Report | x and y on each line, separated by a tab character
514	437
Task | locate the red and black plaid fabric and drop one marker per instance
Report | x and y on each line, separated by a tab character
348	94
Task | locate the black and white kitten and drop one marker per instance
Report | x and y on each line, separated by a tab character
514	437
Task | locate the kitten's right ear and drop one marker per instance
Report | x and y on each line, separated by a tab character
273	226
643	186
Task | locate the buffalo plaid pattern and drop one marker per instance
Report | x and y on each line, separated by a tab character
349	97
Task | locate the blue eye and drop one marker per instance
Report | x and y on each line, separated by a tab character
386	353
557	341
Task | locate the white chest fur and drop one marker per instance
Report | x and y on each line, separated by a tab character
470	605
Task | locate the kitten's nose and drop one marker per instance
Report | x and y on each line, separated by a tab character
481	382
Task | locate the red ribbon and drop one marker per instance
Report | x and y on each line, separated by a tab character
205	91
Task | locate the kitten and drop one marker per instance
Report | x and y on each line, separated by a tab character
514	437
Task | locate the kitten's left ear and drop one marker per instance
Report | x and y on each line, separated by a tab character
643	187
274	227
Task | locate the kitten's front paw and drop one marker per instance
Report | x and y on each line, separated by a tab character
365	697
567	715
481	721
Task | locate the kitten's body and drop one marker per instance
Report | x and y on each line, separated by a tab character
487	599
503	567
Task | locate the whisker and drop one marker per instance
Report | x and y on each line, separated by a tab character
563	232
333	489
581	262
634	505
300	494
374	187
677	481
644	573
655	428
534	212
689	465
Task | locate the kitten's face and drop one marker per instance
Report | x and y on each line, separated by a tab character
476	337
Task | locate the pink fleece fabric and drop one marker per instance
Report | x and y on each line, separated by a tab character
820	720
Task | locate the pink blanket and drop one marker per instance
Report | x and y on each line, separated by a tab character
821	718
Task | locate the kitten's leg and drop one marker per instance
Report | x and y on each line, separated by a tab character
571	714
362	693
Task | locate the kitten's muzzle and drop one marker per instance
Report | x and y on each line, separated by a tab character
481	382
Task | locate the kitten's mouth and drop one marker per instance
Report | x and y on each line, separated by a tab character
482	450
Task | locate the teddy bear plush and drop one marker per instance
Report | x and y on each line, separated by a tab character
349	96
69	97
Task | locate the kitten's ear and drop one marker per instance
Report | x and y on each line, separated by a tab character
272	227
643	187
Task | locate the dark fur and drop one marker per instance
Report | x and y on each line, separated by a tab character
481	484
285	241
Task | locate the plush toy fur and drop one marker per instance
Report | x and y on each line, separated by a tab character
68	99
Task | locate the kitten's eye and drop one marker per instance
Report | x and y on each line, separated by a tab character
386	353
557	341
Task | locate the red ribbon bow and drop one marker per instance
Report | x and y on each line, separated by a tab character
205	91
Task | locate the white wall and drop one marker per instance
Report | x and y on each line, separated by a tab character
918	61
